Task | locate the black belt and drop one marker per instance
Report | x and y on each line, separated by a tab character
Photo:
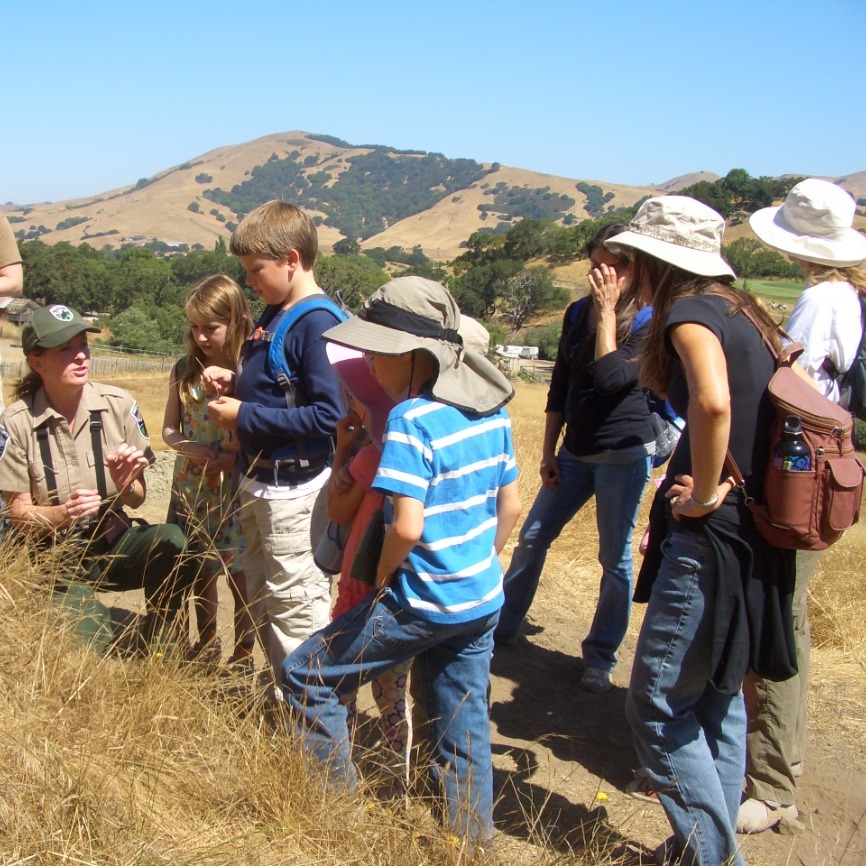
292	469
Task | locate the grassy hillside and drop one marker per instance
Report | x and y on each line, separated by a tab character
384	196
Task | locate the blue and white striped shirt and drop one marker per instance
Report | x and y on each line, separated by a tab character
455	464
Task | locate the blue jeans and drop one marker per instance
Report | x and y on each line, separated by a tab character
690	738
453	661
618	489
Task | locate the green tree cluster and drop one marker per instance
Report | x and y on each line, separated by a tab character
596	198
351	278
112	282
378	189
493	274
738	194
750	258
150	327
546	337
397	255
518	202
69	222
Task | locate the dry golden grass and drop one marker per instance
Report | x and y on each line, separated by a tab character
142	762
121	762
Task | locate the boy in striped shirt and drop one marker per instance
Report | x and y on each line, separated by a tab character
448	469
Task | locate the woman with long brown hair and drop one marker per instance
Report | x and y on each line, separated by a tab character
707	569
606	452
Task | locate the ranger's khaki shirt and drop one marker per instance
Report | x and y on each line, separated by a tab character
21	468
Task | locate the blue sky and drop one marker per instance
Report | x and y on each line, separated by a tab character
98	94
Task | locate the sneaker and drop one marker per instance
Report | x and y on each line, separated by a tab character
641	788
756	816
595	680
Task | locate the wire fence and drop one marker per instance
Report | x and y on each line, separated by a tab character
104	365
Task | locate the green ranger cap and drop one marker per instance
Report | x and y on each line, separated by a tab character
53	326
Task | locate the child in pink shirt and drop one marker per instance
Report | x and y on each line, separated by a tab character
351	500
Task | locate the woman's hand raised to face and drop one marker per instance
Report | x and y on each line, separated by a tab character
605	286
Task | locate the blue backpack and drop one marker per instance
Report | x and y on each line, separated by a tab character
277	365
852	384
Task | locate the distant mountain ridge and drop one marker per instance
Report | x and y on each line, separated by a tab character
381	196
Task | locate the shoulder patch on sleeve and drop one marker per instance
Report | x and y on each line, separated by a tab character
139	420
4	439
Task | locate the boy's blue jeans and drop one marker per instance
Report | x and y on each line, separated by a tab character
454	663
618	489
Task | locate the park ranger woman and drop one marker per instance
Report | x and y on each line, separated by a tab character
73	457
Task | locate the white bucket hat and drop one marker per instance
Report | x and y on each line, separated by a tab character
814	224
680	231
410	313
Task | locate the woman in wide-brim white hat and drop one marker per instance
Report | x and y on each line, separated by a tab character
705	558
814	228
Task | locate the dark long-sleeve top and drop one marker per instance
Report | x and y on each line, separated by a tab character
265	424
604	407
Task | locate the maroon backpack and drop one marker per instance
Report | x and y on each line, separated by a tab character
806	510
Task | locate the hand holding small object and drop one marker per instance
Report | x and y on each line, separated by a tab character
125	465
224	412
349	428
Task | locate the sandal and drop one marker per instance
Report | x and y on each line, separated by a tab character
641	788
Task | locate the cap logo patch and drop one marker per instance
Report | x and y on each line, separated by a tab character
61	313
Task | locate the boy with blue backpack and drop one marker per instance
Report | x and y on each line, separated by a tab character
284	408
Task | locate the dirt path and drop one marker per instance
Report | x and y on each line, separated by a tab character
567	754
563	757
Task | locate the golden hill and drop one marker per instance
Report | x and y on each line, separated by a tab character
160	211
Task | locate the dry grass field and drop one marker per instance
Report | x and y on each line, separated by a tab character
121	762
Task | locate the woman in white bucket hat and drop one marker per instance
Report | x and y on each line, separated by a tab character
814	227
707	571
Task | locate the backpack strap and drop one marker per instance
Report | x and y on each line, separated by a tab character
641	317
578	310
830	367
277	365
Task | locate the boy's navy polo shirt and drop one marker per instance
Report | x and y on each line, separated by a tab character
264	421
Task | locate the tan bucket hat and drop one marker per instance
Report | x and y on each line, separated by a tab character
411	313
678	230
814	224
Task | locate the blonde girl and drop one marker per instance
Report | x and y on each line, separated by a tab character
202	501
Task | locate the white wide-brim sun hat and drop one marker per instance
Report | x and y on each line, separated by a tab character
814	224
411	313
678	230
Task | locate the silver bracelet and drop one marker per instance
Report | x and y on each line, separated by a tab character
709	503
